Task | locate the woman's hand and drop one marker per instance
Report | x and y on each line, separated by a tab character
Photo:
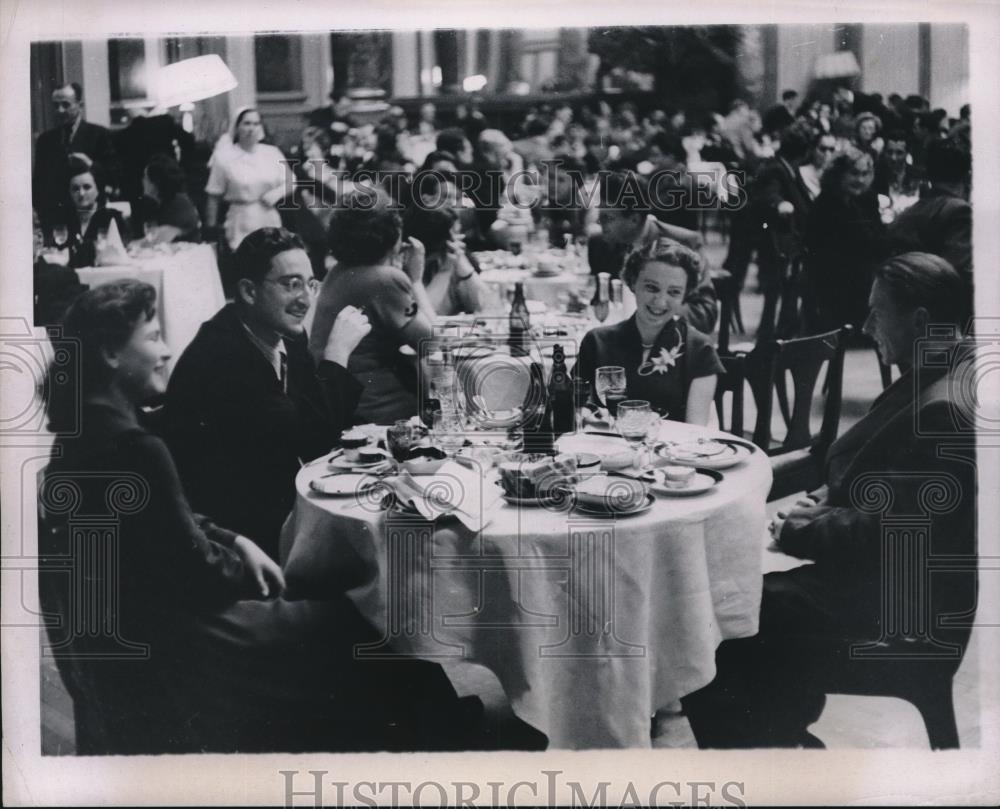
348	330
264	570
413	255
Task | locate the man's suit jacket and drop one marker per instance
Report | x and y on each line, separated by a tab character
780	237
238	437
894	460
700	306
50	179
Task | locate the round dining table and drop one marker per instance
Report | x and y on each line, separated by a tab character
591	624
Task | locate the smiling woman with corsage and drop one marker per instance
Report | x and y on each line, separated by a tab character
667	362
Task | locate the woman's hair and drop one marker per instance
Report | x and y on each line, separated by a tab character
364	227
438	156
77	166
431	226
166	175
867	116
101	319
240	115
666	251
842	162
924	279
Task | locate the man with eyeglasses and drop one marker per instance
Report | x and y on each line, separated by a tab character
247	405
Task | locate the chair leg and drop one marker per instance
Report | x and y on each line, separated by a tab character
937	708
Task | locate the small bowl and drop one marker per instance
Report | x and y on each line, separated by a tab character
587	464
677	477
423	465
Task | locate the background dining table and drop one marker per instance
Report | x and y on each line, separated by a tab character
590	624
187	282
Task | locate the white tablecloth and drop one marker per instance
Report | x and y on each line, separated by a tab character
590	625
188	289
553	290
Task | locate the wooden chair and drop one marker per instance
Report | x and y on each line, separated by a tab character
731	382
799	456
730	317
926	684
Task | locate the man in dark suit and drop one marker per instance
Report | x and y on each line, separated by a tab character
781	115
780	203
868	581
73	135
246	405
940	222
628	224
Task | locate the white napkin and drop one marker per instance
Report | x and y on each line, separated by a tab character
113	251
453	489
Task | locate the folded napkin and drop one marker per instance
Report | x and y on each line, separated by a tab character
113	251
453	489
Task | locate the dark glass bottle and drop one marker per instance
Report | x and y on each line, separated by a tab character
520	323
561	394
538	418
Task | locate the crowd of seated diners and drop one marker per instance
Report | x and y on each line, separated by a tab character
337	257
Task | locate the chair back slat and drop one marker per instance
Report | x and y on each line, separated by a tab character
802	359
731	382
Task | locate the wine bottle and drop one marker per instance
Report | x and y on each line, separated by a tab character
538	418
602	297
520	323
561	394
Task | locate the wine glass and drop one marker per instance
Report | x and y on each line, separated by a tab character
449	431
634	417
60	235
609	385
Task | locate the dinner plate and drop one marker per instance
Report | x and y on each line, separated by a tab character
729	454
354	466
343	485
601	511
704	480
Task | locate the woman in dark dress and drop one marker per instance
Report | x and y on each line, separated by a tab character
88	217
379	271
667	362
845	241
174	217
163	635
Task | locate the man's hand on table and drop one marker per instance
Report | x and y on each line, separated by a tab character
261	567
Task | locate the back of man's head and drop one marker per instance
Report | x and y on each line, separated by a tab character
947	162
915	280
254	255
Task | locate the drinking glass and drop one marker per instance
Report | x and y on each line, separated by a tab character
60	235
609	385
399	438
633	423
449	431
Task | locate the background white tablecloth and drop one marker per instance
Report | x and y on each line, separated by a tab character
188	289
686	575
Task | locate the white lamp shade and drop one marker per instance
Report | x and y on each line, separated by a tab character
837	65
192	80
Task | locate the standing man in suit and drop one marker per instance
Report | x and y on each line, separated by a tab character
769	688
72	135
781	203
628	224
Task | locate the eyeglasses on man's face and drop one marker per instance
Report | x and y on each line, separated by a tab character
295	284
